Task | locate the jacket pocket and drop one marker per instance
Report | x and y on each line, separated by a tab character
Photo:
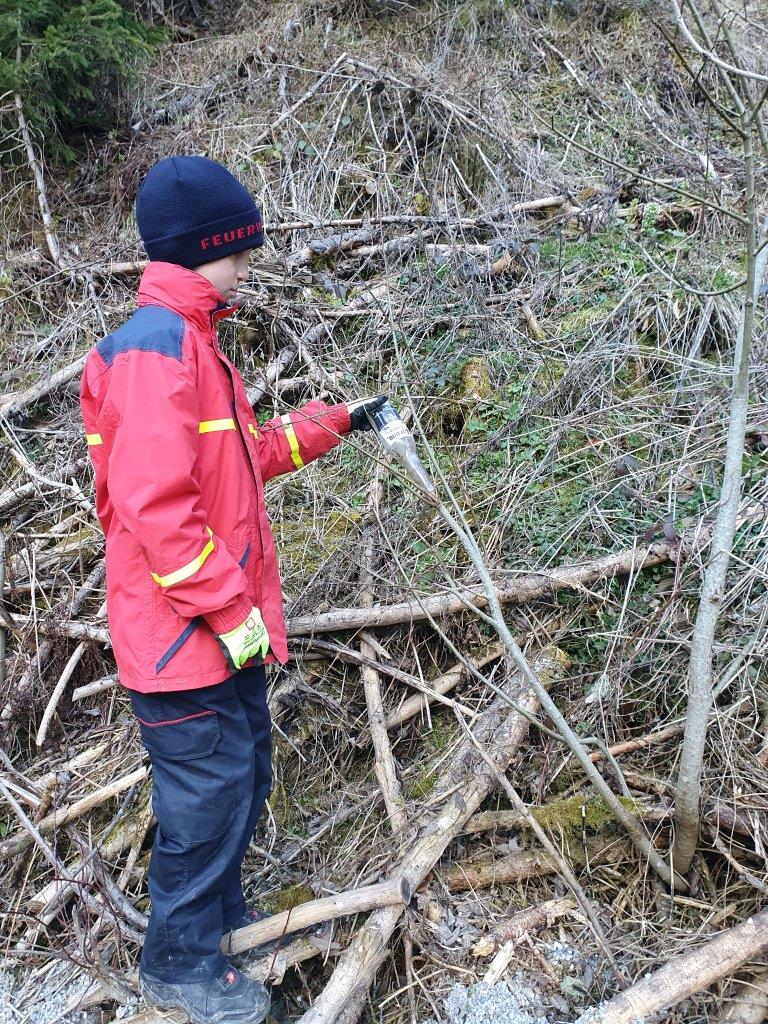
190	627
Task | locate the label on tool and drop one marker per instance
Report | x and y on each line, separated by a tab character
395	430
388	424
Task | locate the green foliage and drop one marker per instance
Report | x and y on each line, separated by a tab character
67	59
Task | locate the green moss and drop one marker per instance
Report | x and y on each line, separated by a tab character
422	785
553	663
128	823
444	731
586	316
280	805
288	898
574	813
298	544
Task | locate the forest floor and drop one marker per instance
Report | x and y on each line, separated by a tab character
488	211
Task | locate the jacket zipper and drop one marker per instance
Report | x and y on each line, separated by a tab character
235	417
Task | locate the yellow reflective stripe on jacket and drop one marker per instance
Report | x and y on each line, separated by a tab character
293	441
186	570
93	439
209	426
253	430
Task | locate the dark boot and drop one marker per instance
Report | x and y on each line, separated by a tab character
229	999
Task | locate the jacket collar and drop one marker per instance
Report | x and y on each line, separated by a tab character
185	292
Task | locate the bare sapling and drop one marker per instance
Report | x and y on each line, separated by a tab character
745	120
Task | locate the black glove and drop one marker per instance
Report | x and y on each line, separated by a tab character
361	409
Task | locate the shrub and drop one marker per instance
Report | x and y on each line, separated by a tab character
68	59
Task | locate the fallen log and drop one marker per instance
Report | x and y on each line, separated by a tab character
748	1003
526	587
60	686
523	588
384	765
97	686
466	784
500	217
461	877
486	821
343	904
11	496
48	901
13	405
74	630
22	688
505	731
347	654
686	974
63	815
412	706
382	895
281	362
524	922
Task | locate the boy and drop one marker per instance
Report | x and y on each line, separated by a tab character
193	591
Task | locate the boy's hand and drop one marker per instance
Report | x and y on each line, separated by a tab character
361	409
248	640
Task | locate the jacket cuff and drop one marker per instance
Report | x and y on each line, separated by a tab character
339	415
230	616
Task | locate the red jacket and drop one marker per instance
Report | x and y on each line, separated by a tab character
180	466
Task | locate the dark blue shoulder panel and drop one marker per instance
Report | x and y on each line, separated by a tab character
150	329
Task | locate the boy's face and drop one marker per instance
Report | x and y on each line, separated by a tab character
228	273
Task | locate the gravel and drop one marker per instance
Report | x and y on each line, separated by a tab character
40	997
515	1002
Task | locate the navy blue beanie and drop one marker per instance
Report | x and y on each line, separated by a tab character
191	210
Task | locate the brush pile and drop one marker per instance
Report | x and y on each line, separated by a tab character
508	219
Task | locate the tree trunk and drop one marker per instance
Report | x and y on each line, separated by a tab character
688	789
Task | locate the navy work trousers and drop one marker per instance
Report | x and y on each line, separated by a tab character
210	752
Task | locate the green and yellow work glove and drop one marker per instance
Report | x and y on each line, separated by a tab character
248	640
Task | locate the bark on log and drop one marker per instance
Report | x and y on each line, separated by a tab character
685	974
524	588
12	496
74	630
442	685
384	765
524	922
16	404
383	895
529	864
486	821
502	216
748	1004
97	686
354	901
37	665
516	591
